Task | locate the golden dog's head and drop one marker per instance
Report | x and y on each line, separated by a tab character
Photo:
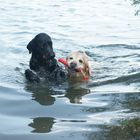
78	65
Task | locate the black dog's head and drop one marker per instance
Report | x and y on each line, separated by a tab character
41	46
42	52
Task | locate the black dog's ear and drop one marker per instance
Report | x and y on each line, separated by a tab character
30	46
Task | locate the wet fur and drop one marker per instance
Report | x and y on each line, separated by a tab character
81	61
43	62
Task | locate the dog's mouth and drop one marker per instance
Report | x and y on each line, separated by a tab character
73	67
49	55
51	64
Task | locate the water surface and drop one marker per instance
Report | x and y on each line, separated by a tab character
102	108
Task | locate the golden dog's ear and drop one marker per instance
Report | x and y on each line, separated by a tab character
87	66
87	69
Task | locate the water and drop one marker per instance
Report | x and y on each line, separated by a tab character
102	108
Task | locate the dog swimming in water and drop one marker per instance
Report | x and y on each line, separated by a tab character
43	62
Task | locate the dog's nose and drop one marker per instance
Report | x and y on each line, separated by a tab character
49	56
52	55
73	65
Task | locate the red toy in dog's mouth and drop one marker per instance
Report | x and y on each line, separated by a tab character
64	62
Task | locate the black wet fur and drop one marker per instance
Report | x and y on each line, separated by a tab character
43	57
31	76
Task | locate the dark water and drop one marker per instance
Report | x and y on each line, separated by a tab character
105	108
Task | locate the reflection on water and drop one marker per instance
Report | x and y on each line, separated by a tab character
43	99
42	124
101	109
41	94
46	95
75	95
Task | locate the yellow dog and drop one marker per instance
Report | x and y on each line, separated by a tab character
78	66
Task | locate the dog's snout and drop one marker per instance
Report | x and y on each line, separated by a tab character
73	65
49	56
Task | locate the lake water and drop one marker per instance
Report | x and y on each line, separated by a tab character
105	108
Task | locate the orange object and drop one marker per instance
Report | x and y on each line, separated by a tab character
63	61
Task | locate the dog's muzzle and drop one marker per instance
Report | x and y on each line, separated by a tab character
49	57
51	64
73	65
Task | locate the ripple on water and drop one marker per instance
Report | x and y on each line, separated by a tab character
69	112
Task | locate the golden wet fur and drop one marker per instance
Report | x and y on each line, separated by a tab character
78	60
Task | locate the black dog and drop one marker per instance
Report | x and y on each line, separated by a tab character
43	60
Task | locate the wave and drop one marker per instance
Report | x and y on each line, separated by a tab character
127	79
134	47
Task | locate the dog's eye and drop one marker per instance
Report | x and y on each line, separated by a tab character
71	58
81	61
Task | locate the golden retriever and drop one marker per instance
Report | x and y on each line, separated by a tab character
78	66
